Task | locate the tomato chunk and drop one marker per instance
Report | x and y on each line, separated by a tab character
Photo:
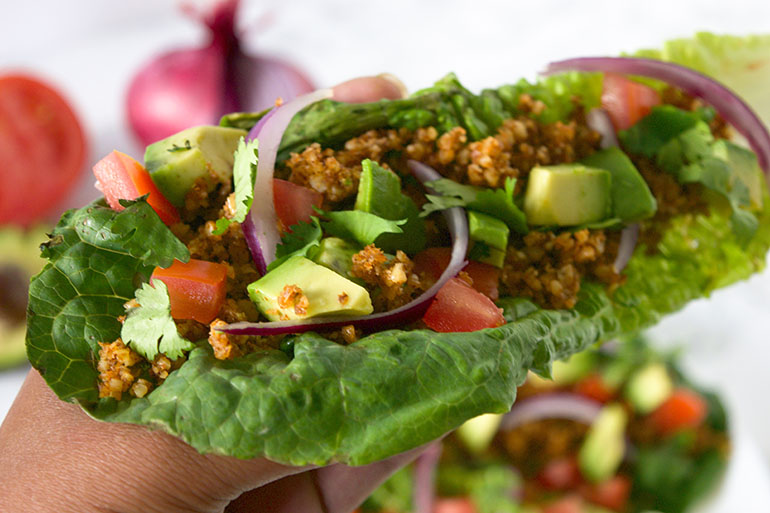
119	177
612	494
627	101
433	261
594	387
454	505
561	474
684	409
457	307
294	203
196	289
42	149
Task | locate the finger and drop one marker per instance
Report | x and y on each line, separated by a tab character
369	89
334	489
45	440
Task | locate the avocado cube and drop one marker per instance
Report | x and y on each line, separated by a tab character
486	254
567	195
604	446
488	229
202	153
649	387
327	292
337	255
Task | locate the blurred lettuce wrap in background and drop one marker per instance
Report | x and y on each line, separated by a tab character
302	390
617	430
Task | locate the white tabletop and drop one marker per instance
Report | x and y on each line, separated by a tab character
91	48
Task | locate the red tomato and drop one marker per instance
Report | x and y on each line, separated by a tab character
627	101
611	494
594	387
561	474
571	504
119	177
42	149
454	505
684	409
196	289
457	307
294	203
433	261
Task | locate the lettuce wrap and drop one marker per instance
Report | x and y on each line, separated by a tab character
309	399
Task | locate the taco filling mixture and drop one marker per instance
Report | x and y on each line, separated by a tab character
617	430
548	204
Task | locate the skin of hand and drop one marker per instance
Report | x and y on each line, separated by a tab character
53	457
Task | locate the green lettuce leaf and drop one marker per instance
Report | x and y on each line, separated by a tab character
96	259
149	328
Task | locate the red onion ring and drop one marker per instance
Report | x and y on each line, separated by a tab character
424	478
729	105
628	238
261	231
597	119
458	229
551	406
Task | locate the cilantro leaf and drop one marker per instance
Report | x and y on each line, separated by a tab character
149	328
303	239
359	226
244	175
498	203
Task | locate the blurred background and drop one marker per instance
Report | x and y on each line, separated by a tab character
89	51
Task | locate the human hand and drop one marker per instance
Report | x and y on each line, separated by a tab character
53	457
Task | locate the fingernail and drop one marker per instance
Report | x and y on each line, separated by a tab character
393	79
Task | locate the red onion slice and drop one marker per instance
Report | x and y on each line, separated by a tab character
551	406
628	238
424	478
458	229
261	232
729	105
598	120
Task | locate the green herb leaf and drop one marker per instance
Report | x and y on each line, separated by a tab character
244	175
498	203
303	239
361	227
149	328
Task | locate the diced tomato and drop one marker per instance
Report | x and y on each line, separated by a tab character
119	177
433	261
294	203
627	101
571	504
561	474
612	494
196	289
684	409
458	307
594	387
42	149
454	505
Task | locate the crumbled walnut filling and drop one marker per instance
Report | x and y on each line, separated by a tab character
292	297
224	345
396	279
116	367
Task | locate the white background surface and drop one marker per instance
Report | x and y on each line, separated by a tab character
91	48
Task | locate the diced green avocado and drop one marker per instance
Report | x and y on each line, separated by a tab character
745	168
482	252
567	195
336	254
576	367
649	387
477	433
379	193
202	152
631	198
488	229
327	292
604	446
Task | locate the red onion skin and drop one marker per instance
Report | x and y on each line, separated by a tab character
729	105
561	405
196	86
